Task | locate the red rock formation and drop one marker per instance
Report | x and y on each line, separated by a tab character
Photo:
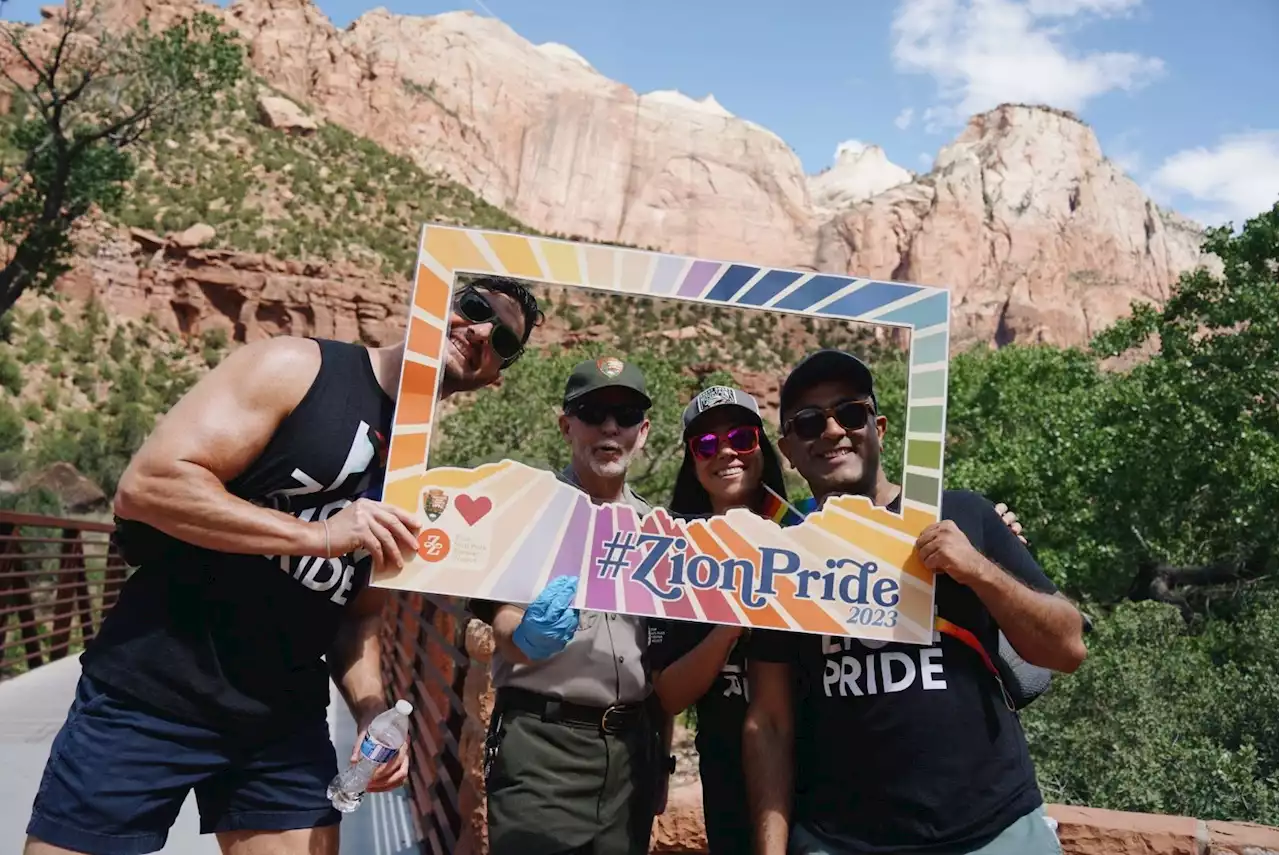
1039	236
250	296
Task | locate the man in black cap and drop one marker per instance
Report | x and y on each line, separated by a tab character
570	757
905	748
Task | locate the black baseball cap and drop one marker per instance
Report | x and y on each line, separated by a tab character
604	373
714	397
826	364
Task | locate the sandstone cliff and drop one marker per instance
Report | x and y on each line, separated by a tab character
1039	236
860	172
538	132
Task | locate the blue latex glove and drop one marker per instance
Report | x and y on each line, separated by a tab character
550	621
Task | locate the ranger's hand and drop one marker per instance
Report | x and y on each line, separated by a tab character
550	621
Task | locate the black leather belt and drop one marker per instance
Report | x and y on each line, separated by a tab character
616	718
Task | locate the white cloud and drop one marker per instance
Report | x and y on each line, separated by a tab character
903	121
1068	8
986	52
1236	179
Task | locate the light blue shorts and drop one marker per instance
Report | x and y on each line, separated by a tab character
1032	834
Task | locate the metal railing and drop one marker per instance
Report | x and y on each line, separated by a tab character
58	577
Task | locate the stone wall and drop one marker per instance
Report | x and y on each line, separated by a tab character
680	830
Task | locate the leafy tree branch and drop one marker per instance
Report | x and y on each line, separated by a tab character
83	96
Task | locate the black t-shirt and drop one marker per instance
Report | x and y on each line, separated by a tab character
235	641
908	748
720	711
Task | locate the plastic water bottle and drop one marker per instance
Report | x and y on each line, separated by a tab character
387	733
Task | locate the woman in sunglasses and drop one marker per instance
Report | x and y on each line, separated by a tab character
728	460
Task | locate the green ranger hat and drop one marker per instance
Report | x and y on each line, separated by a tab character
603	373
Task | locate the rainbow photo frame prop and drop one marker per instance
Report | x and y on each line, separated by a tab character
503	530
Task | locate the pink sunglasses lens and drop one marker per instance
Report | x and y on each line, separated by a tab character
743	439
706	446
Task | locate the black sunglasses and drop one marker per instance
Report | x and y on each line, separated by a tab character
810	422
626	415
477	309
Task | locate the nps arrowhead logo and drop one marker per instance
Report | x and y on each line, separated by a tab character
609	366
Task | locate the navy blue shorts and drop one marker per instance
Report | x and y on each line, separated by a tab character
117	776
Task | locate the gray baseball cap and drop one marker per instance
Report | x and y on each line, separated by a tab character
713	397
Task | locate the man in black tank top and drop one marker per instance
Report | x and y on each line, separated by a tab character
244	515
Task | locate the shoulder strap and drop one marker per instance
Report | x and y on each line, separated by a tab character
968	639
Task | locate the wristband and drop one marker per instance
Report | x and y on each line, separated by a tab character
327	547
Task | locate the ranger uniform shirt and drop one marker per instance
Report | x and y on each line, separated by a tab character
605	662
907	748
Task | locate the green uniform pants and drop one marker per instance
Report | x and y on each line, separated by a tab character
560	789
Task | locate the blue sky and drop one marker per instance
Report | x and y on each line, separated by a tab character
1183	93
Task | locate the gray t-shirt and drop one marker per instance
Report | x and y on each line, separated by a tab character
603	664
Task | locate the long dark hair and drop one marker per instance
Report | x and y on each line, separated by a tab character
690	499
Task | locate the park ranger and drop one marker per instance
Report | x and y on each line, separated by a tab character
571	756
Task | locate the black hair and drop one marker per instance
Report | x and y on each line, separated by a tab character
690	499
528	303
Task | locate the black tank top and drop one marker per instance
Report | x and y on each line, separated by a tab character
235	641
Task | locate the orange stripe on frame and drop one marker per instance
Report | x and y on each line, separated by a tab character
463	478
454	250
516	254
431	294
912	521
416	379
808	614
884	547
424	339
767	616
404	494
409	449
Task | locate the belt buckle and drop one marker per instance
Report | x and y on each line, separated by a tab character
604	718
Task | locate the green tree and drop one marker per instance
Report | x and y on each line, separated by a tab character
517	420
82	100
1155	482
1158	481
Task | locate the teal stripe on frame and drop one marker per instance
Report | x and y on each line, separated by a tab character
923	313
929	349
921	488
924	419
929	384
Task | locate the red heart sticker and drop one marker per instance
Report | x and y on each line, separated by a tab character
473	510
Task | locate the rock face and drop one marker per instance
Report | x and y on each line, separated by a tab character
284	115
1038	236
249	296
860	172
